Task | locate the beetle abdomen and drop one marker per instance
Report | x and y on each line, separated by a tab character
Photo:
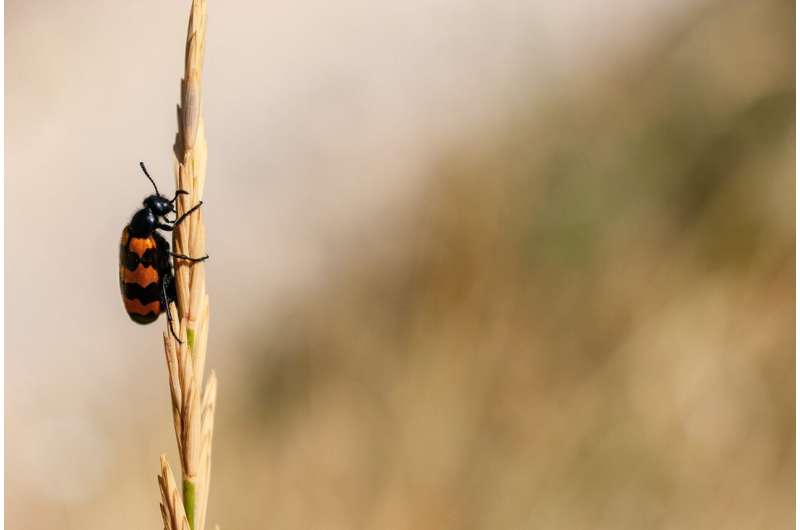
139	277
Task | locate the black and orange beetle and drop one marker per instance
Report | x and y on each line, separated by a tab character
146	279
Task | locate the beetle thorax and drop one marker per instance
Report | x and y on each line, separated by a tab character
144	223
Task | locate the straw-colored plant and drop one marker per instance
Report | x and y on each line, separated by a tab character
192	409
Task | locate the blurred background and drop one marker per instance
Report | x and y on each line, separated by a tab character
475	265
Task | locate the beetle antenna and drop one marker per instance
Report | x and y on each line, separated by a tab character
141	165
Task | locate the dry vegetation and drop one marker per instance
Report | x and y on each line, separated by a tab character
192	404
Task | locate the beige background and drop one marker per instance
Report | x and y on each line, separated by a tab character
474	264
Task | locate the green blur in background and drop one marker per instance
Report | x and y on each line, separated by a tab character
585	322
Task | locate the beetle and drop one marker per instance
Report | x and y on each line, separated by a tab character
146	278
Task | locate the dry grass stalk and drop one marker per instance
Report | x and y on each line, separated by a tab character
192	411
171	506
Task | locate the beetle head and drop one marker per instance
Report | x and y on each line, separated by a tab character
159	205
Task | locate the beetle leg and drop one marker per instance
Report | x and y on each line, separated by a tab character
188	258
167	219
178	192
172	203
179	220
165	301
